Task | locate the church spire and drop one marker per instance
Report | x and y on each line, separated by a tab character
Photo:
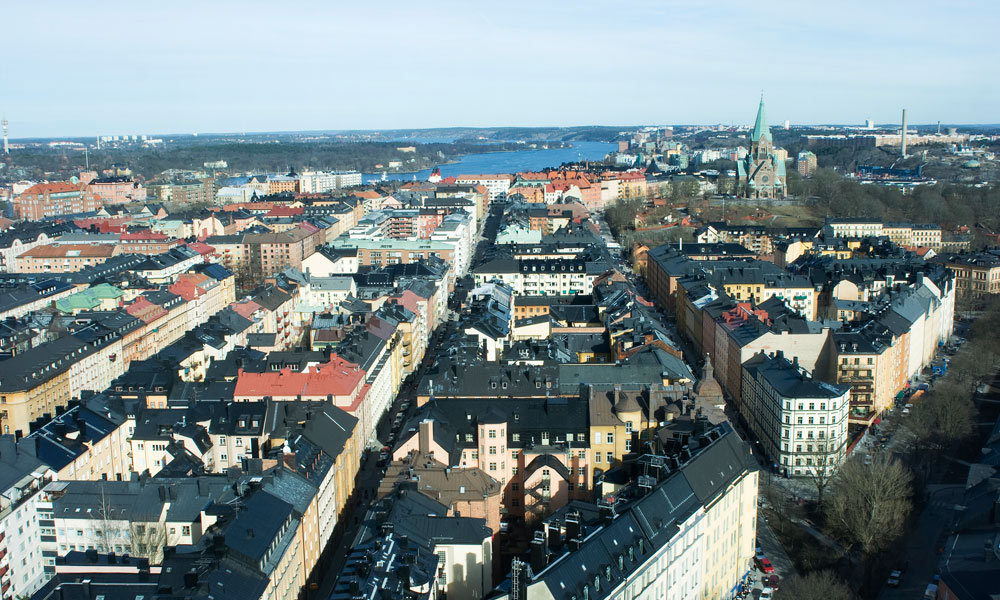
760	128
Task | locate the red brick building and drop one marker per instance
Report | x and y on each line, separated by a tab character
55	199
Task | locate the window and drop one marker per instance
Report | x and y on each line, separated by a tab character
581	471
186	530
515	487
475	455
597	437
492	434
611	438
516	437
581	454
628	445
515	454
468	437
222	440
493	466
238	442
493	450
628	427
597	457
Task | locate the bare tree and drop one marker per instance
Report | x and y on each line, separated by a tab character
869	505
821	475
114	531
147	540
820	585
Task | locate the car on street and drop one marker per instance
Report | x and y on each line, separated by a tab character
765	566
771	582
767	593
894	578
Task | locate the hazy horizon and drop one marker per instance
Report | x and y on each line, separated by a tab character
224	67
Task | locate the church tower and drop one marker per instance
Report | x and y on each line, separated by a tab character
761	174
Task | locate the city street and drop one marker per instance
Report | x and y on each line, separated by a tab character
920	556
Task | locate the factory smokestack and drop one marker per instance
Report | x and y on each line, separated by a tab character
902	144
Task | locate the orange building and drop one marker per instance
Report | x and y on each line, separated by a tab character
65	258
55	199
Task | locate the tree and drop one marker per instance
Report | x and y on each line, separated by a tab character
869	505
821	475
821	585
147	540
943	419
115	532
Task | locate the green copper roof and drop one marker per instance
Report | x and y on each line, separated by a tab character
760	128
89	298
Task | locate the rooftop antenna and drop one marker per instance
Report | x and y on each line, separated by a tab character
6	146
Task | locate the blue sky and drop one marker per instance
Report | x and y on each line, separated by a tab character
78	68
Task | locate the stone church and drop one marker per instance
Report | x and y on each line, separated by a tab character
761	174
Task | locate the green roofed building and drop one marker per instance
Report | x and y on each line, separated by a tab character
761	173
98	297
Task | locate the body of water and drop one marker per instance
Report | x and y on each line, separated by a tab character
509	162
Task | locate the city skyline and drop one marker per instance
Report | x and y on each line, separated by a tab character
314	67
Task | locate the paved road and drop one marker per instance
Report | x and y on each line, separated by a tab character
768	542
922	543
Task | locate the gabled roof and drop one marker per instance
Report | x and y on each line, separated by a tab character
760	128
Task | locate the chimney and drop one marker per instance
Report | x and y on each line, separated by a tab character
555	535
572	526
191	579
425	435
538	556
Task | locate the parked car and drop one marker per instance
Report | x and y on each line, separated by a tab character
767	593
765	566
894	578
772	582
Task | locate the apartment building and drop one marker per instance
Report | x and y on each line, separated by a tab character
24	566
496	185
36	382
270	253
539	450
117	190
147	242
65	258
544	277
977	274
395	252
801	421
45	200
416	537
683	537
13	243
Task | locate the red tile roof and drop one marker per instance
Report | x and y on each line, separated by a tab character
245	308
338	377
55	187
71	250
285	211
201	248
